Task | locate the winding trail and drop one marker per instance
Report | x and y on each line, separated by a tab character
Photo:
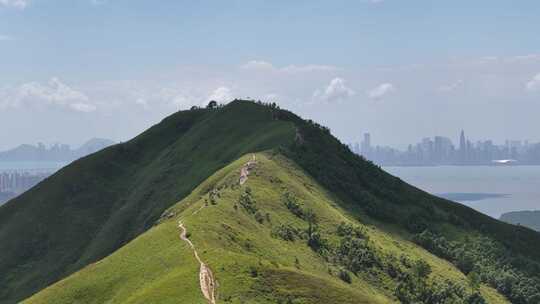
206	277
244	172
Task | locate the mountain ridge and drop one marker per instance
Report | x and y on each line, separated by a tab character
138	180
232	225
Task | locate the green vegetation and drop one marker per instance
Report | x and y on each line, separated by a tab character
270	261
99	203
486	261
314	223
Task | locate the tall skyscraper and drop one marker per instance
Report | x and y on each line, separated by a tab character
367	140
366	144
462	147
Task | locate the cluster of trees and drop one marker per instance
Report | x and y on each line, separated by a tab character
356	254
287	232
484	260
312	234
249	204
212	104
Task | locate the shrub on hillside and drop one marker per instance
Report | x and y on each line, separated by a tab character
247	201
292	204
491	262
345	229
286	232
345	276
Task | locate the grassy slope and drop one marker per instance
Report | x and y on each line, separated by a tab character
249	264
99	203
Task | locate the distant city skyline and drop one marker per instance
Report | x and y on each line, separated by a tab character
441	150
454	136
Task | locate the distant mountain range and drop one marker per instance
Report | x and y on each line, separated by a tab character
57	152
529	219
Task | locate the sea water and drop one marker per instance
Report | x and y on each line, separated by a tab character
492	190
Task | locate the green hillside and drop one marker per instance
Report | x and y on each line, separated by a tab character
255	242
278	238
99	203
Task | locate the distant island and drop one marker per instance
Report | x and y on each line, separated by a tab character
57	152
529	219
469	197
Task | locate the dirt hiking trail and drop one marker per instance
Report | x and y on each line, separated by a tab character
244	172
206	277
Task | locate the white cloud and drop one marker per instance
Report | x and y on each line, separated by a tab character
261	65
182	101
5	37
380	91
335	91
54	92
534	84
272	97
221	95
18	4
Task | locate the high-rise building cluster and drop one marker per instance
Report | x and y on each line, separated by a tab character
18	182
440	150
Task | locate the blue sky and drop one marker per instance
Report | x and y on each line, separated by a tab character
111	68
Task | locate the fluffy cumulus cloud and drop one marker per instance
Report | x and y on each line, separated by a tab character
54	93
534	84
336	90
381	90
18	4
221	95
